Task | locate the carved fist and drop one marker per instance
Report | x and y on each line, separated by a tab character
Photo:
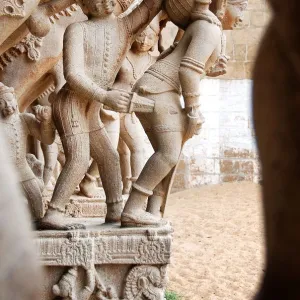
118	100
220	67
195	113
42	113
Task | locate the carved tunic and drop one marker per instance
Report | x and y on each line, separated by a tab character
105	45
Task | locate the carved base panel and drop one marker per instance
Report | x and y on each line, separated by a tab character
83	207
105	262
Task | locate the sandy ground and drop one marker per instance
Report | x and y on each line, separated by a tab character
218	248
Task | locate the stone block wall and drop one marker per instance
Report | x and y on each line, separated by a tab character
225	150
243	42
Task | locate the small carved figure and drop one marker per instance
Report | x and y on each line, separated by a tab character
19	264
146	282
131	142
66	287
176	72
17	126
93	54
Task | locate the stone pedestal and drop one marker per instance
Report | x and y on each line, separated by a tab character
105	262
84	207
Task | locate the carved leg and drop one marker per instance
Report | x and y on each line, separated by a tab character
124	153
132	134
88	184
155	201
108	161
33	194
50	156
156	169
77	153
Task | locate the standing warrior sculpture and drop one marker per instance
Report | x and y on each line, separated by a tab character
177	72
17	126
93	54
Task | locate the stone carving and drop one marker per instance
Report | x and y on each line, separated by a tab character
177	71
28	45
12	8
45	70
131	142
146	282
89	76
66	287
37	168
17	126
19	271
105	245
129	135
75	251
118	263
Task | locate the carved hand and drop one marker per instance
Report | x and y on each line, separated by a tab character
118	100
195	112
42	113
219	68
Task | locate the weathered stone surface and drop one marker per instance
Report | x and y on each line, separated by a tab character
114	259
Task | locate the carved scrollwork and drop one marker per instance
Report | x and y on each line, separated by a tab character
12	8
151	249
77	252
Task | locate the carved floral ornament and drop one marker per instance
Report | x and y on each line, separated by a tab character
12	8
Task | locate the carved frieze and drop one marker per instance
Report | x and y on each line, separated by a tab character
105	245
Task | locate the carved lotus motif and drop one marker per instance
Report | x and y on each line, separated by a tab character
12	8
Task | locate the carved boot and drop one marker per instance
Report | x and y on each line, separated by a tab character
114	211
88	186
155	202
134	215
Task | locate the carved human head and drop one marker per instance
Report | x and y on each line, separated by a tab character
98	8
8	101
234	13
147	39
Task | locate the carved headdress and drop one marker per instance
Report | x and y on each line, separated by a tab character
5	89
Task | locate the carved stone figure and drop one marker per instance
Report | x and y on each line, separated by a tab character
66	287
126	131
93	54
19	269
169	126
131	142
17	126
146	282
37	168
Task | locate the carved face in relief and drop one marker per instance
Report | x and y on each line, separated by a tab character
145	41
234	14
99	8
8	104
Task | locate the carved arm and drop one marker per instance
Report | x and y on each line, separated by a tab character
138	19
205	38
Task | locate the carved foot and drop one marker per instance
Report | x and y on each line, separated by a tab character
114	211
141	218
55	220
88	186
